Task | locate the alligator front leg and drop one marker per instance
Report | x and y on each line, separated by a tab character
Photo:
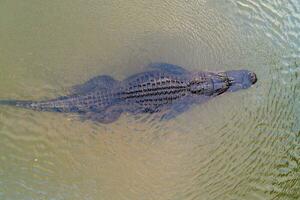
175	110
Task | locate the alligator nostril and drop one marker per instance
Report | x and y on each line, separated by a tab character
253	77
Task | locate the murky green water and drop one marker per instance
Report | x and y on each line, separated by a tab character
243	145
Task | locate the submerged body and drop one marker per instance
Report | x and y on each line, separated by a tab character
165	88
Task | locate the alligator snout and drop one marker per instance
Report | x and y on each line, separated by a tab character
240	79
253	77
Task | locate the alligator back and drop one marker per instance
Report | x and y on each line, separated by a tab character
149	91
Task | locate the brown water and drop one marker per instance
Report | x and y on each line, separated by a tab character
244	145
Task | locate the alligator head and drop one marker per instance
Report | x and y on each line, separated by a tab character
208	83
240	79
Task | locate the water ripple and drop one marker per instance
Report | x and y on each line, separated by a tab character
242	145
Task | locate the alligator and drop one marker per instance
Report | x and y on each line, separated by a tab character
163	88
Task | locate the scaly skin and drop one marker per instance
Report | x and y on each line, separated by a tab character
103	99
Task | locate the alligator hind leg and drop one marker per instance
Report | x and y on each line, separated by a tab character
106	116
102	82
169	68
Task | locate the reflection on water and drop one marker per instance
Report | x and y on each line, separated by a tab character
243	145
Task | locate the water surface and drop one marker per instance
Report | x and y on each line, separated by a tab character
243	145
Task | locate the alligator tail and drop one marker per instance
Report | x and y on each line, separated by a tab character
62	104
17	103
